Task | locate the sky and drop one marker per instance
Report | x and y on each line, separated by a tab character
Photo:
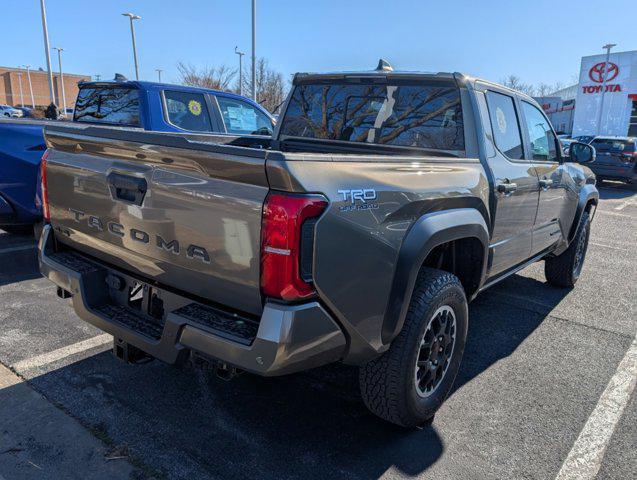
540	41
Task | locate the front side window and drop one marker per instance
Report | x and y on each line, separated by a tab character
241	118
187	111
422	116
110	105
541	136
505	125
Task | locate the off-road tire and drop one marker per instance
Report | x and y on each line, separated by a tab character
565	269
388	384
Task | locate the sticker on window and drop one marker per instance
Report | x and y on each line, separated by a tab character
242	119
195	107
502	121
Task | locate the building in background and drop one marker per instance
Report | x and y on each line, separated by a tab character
10	79
559	106
575	110
619	115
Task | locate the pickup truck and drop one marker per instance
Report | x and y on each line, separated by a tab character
141	105
384	204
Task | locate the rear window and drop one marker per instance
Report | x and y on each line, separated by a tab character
111	105
612	145
423	116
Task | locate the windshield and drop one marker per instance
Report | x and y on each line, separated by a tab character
410	115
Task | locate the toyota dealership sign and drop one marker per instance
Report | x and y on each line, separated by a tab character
617	82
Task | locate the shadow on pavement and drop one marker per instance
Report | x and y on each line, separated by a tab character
310	425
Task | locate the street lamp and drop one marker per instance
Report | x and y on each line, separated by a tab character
159	70
254	50
30	84
60	50
132	17
47	50
20	84
241	54
608	46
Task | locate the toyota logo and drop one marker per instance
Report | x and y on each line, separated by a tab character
596	73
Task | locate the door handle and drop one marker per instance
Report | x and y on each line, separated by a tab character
127	188
545	183
507	188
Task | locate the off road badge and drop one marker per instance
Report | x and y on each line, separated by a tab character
195	107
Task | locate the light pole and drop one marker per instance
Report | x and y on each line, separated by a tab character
60	50
98	77
254	50
20	84
30	85
608	46
47	50
159	70
241	54
132	17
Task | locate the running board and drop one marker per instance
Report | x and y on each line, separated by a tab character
513	270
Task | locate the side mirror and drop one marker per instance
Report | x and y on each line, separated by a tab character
581	153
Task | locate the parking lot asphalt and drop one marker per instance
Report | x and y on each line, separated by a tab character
537	361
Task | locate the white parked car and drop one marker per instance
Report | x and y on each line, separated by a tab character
7	111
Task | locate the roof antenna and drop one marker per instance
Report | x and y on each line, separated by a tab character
384	66
120	78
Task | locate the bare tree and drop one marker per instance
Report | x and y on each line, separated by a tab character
270	86
514	82
216	78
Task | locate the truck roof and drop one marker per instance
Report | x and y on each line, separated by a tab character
145	85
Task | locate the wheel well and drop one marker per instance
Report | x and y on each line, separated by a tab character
589	205
463	257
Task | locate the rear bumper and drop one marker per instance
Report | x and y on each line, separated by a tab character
287	338
612	172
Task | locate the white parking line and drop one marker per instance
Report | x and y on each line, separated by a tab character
609	246
17	249
624	204
585	458
61	353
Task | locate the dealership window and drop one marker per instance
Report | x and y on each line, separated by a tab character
188	111
111	105
541	136
505	125
632	128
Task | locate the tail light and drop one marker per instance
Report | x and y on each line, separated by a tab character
44	193
283	239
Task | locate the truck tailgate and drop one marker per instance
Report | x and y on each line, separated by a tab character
178	211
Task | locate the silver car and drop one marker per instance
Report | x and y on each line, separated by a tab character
7	111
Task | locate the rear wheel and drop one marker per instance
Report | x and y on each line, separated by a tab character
565	269
409	382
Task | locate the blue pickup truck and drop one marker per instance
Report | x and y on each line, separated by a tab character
144	105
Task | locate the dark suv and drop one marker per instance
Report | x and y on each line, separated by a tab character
616	158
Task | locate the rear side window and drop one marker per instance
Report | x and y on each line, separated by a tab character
111	105
241	118
541	136
613	145
187	111
505	125
409	115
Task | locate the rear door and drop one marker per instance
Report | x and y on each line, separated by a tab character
515	183
174	210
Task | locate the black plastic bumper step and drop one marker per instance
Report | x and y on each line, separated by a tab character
73	261
137	321
240	329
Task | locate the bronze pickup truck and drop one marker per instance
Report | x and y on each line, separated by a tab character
383	204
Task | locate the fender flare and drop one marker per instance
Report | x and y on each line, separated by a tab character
587	194
426	233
